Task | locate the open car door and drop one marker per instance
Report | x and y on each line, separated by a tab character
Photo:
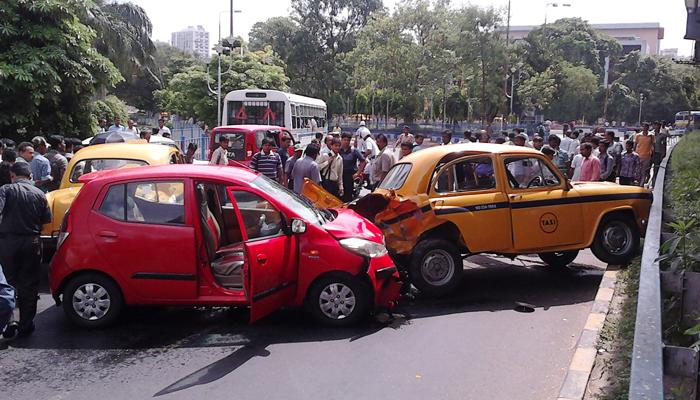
271	263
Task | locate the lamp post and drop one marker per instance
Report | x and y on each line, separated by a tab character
641	101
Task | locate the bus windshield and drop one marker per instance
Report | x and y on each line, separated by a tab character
255	113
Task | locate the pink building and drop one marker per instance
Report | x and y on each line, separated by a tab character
645	37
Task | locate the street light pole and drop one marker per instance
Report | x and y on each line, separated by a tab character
641	101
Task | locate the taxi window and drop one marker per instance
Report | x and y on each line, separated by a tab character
236	145
260	218
467	175
101	164
396	176
529	172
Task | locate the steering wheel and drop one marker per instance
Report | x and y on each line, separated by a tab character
536	180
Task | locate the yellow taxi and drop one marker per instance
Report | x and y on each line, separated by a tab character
443	203
101	157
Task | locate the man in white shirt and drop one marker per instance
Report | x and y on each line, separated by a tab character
360	133
220	155
131	128
162	129
405	137
331	169
383	162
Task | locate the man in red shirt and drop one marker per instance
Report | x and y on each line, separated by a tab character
590	168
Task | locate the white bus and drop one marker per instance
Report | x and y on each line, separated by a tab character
303	116
684	119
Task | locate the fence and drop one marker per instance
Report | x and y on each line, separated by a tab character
656	366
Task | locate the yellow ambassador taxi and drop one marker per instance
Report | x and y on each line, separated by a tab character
443	203
99	158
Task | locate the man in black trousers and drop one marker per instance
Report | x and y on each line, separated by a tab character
23	210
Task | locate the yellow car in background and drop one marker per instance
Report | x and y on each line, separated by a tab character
443	203
95	158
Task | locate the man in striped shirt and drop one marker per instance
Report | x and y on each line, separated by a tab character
267	162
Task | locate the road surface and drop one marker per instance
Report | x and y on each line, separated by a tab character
473	345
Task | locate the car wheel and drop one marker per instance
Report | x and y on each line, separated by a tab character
338	300
92	300
616	241
559	259
436	267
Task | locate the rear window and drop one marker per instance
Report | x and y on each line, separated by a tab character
160	203
396	177
236	144
102	164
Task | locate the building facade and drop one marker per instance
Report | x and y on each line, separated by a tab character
645	37
193	40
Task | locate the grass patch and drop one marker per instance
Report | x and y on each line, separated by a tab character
617	336
684	185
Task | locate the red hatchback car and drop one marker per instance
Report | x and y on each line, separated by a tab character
246	140
205	235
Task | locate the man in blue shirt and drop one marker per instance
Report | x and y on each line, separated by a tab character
7	304
41	166
267	162
353	165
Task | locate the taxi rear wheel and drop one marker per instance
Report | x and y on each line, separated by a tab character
559	259
436	267
92	301
617	240
338	300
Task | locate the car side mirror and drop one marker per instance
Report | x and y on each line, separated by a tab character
298	226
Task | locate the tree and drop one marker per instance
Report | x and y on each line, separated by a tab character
538	90
577	87
572	40
187	92
124	36
48	68
281	33
108	108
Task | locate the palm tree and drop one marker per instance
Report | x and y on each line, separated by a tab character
124	36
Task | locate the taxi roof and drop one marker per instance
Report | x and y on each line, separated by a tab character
142	151
437	152
170	171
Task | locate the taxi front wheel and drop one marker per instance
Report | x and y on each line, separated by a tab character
617	240
559	259
92	300
436	267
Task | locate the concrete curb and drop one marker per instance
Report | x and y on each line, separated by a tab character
574	387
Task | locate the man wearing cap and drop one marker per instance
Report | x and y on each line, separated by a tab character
289	166
23	211
405	137
40	165
360	133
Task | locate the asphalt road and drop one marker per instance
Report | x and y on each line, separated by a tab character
473	345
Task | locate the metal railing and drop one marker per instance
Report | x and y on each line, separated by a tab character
649	352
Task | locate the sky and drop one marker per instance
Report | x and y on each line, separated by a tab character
169	16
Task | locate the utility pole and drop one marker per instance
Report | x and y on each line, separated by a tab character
508	25
231	22
606	86
641	101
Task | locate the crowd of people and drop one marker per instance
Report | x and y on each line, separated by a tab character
342	162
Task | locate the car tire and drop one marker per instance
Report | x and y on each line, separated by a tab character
92	300
338	300
616	241
436	267
559	259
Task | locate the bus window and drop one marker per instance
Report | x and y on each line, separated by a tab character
256	113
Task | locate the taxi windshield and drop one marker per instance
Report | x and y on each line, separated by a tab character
299	204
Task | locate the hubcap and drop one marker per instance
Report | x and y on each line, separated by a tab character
337	301
91	301
617	238
438	267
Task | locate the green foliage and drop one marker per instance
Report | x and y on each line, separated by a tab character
538	90
48	67
108	108
187	92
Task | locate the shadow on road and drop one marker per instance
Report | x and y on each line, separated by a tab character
492	285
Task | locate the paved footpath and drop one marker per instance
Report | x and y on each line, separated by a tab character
473	345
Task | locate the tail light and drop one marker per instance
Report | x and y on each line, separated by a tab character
66	228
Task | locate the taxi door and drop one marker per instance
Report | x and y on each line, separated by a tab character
467	193
271	268
544	212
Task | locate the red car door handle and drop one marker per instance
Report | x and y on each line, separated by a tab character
108	234
262	258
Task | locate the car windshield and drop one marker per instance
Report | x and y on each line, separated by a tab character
396	177
299	204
